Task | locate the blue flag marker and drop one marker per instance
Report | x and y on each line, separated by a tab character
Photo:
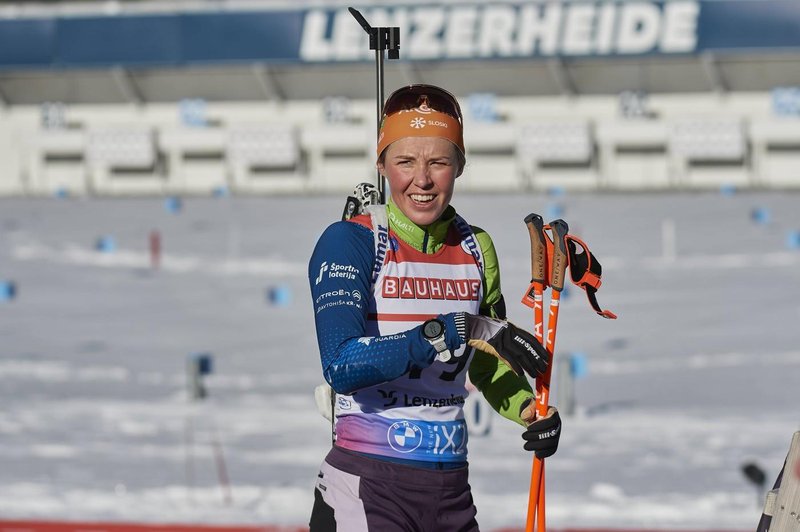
279	295
793	240
106	244
173	204
578	365
8	290
761	215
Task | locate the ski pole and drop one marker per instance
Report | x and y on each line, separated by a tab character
560	261
558	267
534	298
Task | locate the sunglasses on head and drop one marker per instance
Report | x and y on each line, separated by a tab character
415	96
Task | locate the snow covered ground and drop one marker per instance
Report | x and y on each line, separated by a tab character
697	377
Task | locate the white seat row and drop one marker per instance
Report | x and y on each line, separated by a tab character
136	160
648	154
502	156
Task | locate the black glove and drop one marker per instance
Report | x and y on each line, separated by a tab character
542	434
517	348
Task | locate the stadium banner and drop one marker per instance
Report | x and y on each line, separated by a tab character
458	31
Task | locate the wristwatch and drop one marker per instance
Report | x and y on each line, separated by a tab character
433	332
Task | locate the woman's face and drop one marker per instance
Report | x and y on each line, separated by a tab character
421	172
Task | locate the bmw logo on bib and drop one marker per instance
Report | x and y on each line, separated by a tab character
404	437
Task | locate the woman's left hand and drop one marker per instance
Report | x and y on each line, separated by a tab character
542	433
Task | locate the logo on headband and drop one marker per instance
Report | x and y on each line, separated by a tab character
432	123
421	110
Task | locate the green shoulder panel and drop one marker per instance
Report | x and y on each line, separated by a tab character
491	268
503	389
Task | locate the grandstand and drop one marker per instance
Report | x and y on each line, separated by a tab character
270	97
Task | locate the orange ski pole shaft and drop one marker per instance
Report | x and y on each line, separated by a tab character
534	298
559	229
542	402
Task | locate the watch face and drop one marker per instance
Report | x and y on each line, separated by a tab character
432	329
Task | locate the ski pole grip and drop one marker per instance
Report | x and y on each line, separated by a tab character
560	230
538	247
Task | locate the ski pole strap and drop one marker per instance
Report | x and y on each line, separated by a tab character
586	271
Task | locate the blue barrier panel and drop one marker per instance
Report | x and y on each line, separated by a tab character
197	365
113	40
642	28
251	36
204	362
27	42
748	24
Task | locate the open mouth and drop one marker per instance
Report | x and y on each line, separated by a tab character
422	199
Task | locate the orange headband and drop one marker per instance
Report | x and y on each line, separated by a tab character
420	122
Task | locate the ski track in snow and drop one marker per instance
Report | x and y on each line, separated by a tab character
96	424
73	254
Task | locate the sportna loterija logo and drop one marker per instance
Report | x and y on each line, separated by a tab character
322	269
404	437
418	123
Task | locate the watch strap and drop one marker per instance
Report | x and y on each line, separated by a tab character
460	320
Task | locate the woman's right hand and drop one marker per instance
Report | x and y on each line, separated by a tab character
515	347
